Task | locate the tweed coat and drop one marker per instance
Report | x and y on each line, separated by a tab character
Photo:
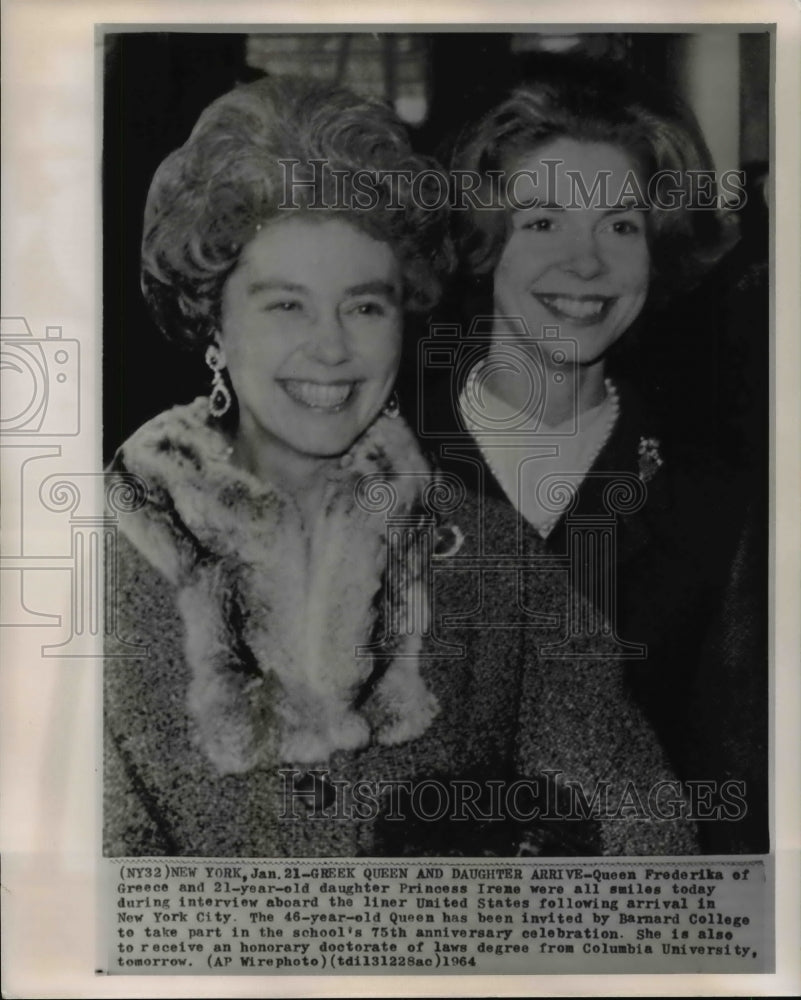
475	729
688	598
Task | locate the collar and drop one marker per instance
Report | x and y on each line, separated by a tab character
525	456
274	611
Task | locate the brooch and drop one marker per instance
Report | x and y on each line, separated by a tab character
650	461
448	539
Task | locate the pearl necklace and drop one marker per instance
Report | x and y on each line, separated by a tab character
612	404
598	439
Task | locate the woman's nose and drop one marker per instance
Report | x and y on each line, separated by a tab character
583	257
329	342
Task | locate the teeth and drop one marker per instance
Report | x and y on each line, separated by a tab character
577	308
318	395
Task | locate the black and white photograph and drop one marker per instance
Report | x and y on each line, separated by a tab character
399	436
451	534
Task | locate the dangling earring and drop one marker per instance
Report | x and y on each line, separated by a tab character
220	397
392	407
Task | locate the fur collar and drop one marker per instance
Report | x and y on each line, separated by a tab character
274	609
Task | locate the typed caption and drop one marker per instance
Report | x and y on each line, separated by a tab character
523	916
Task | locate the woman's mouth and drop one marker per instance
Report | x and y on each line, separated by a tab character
580	310
330	396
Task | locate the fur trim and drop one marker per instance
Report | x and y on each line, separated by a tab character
274	610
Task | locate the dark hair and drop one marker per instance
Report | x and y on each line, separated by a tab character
208	198
589	102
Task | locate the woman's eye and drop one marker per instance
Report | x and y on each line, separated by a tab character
369	309
625	227
539	225
285	305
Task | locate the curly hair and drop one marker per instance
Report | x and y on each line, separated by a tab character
587	102
268	148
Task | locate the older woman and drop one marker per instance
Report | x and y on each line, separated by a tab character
590	194
252	572
295	699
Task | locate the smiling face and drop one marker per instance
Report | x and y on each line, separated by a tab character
311	329
581	267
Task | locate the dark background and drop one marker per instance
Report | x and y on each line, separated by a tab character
704	361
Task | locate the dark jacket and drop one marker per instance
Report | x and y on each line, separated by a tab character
684	590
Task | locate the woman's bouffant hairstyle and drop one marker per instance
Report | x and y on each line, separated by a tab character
209	198
589	102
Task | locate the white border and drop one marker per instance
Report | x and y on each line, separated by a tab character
50	275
